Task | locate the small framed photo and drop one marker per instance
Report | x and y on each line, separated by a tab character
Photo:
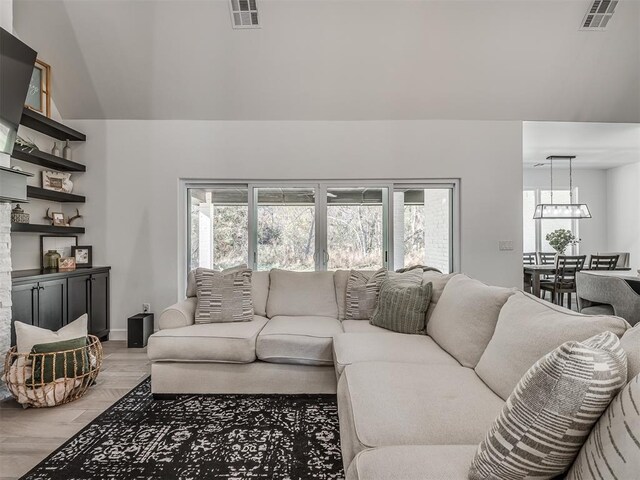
62	245
83	255
58	219
66	264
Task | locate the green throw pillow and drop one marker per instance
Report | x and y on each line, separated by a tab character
43	366
402	307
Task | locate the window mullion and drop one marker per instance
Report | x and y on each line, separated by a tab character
321	227
252	226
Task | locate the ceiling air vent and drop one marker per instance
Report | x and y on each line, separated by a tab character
598	15
244	14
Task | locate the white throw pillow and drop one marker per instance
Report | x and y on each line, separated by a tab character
28	335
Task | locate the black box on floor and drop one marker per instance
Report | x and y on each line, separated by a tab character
139	329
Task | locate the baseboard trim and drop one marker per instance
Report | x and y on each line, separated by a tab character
118	334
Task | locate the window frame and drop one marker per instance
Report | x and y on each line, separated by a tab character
388	187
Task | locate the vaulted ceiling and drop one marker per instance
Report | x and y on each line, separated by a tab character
337	60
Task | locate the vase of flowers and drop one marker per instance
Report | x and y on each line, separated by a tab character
560	239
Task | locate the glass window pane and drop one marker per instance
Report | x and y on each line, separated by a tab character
219	227
422	227
549	225
286	228
355	229
528	223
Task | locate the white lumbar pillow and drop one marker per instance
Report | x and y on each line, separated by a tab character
27	335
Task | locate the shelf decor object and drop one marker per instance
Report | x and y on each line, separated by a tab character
18	215
13	185
562	210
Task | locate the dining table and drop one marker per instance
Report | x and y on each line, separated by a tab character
538	271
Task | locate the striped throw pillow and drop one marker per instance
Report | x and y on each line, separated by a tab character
549	415
224	296
613	447
362	294
402	307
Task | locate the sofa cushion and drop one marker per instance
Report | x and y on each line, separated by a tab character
465	316
438	282
301	294
550	413
613	447
351	348
360	326
413	462
528	328
224	296
299	340
402	308
383	404
231	342
631	343
260	292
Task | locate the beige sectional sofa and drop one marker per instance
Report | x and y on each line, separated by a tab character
410	406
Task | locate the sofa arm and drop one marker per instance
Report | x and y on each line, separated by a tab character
181	314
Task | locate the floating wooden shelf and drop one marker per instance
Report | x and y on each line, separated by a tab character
39	228
50	127
43	194
46	160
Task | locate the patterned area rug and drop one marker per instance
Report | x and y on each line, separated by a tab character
204	437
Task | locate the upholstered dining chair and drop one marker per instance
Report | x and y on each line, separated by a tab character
564	279
600	294
603	262
528	258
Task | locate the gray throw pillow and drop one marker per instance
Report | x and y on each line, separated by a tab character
362	294
224	296
402	306
549	415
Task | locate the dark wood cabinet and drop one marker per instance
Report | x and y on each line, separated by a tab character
51	300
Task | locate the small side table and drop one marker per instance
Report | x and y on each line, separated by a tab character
139	329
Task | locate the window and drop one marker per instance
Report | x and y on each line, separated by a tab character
355	228
245	13
218	220
535	231
286	228
322	226
422	221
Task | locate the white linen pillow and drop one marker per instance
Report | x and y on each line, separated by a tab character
29	335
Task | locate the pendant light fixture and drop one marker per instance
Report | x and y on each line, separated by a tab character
562	210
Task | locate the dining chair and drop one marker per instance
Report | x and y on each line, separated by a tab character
546	258
528	258
564	279
603	262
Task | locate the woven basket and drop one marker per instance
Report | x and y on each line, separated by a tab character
18	374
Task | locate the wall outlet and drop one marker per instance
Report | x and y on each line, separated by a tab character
505	245
146	307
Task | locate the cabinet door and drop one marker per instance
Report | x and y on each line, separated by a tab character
99	318
52	304
78	296
24	309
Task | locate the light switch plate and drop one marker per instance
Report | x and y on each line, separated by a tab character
505	245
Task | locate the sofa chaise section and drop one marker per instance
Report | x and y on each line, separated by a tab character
384	404
413	462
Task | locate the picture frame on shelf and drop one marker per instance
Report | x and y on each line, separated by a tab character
66	264
39	92
57	181
58	219
83	255
61	244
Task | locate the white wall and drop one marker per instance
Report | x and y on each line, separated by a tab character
134	167
592	190
623	211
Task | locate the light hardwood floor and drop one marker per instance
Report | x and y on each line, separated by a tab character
27	436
